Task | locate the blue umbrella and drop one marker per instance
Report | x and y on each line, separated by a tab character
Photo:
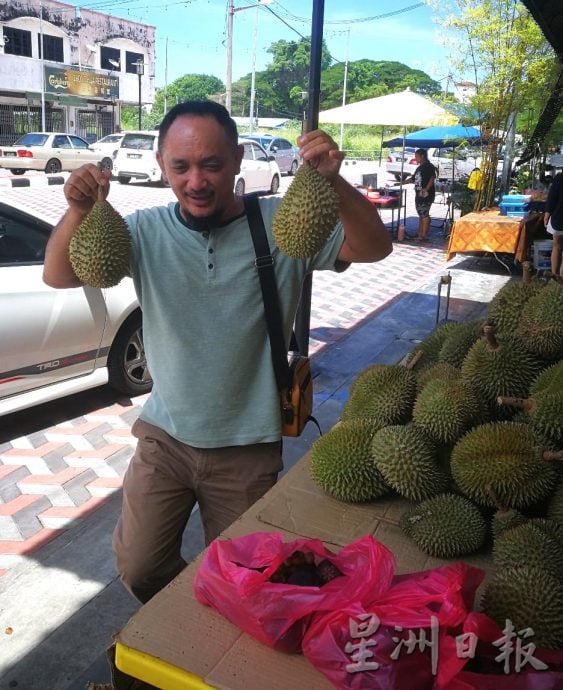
437	136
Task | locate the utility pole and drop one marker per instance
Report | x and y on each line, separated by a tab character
41	48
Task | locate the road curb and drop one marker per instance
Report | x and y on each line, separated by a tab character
32	181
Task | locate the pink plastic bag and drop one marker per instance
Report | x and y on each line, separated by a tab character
395	641
233	578
487	672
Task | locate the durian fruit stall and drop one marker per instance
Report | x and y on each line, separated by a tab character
451	463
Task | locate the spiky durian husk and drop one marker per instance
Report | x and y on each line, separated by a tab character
440	370
555	504
529	597
505	519
546	419
548	381
431	345
445	410
504	458
385	392
306	215
445	526
528	544
408	462
541	322
99	249
506	305
458	342
507	370
341	463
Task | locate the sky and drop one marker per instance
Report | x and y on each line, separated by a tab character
191	35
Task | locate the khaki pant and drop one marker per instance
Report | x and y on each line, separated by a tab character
165	480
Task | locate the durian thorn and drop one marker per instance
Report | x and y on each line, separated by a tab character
415	359
526	272
526	404
553	455
491	493
489	333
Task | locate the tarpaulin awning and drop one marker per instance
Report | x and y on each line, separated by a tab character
437	136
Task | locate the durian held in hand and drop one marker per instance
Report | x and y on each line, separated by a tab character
306	215
99	249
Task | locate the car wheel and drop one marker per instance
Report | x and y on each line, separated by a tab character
53	166
239	188
17	171
107	163
127	364
274	187
122	179
293	168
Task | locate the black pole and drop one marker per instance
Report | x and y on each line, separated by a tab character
140	106
303	316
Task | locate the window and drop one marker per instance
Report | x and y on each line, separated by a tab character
110	54
131	59
20	241
53	48
77	142
61	142
17	41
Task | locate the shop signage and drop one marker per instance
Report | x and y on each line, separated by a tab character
75	82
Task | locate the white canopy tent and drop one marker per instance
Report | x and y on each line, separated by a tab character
405	108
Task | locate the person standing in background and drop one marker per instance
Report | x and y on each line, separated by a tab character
553	221
424	178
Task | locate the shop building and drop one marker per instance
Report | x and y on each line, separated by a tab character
65	68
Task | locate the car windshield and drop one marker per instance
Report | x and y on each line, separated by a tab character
142	142
31	140
110	139
260	140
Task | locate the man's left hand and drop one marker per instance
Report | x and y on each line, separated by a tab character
321	152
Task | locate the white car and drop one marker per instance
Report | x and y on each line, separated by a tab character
259	171
284	152
48	151
57	342
441	158
108	147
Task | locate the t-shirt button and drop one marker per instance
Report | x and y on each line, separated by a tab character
210	250
210	266
205	234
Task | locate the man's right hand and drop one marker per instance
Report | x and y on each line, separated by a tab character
85	186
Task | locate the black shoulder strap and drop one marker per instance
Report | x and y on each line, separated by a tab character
264	262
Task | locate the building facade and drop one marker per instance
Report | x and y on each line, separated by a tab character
68	69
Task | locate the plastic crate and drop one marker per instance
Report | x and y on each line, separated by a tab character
513	209
515	199
541	254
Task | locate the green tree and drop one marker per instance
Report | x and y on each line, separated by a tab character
188	87
512	63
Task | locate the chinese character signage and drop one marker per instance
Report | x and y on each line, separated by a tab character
74	82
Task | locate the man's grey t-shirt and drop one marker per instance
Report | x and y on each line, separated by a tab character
204	329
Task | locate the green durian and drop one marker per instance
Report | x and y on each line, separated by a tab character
459	341
546	415
408	462
445	526
440	370
99	249
548	381
341	463
506	305
541	322
528	597
555	504
506	518
445	410
385	392
306	215
527	544
499	366
503	460
430	347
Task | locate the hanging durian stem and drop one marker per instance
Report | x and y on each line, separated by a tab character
415	359
492	494
489	333
526	272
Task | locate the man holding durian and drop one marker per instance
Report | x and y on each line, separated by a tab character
210	431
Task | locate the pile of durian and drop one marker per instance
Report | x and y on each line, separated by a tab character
470	430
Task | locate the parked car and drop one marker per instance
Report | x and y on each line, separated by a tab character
443	159
259	172
57	342
284	152
108	147
136	158
48	151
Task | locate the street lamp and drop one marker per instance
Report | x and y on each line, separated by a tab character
140	68
231	9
